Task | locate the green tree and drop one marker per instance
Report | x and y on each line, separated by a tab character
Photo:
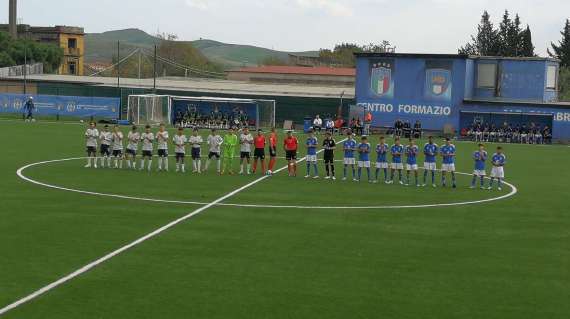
561	50
527	48
17	52
509	39
486	42
564	83
343	54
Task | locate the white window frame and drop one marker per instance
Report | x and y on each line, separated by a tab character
491	84
551	83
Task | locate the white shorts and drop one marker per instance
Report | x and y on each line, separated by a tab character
364	164
381	164
397	166
430	166
412	167
498	172
349	161
479	173
448	167
312	158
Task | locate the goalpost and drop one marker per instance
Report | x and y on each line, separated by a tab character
203	112
149	109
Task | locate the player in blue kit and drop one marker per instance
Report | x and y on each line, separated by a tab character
364	158
312	144
479	156
382	159
498	171
430	165
412	151
448	153
397	150
349	146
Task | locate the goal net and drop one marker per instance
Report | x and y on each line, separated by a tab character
149	109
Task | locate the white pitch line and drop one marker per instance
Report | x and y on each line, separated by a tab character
20	173
114	253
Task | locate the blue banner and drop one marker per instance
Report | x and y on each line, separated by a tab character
76	106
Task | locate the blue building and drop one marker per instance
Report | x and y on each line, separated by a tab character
450	92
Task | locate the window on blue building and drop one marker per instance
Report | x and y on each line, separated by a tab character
486	75
551	77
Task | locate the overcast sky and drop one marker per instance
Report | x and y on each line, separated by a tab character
433	26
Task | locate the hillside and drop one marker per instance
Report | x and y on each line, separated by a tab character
101	47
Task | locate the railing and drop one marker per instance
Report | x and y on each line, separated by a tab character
72	51
18	70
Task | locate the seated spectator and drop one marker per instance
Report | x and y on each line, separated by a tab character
317	123
417	132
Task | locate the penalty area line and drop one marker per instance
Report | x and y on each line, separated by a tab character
116	252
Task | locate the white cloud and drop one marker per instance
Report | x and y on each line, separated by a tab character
198	4
331	7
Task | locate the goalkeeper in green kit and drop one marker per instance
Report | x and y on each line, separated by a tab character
230	144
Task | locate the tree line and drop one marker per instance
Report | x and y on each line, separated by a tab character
15	52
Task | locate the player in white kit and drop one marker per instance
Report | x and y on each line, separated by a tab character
245	141
91	136
133	140
195	142
147	146
105	146
162	146
215	142
180	141
117	139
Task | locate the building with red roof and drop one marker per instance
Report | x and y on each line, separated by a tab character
295	74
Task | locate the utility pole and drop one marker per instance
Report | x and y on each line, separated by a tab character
154	71
139	64
25	68
119	76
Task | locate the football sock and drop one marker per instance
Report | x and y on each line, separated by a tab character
308	168
368	173
473	181
453	178
218	164
433	177
327	169
499	182
108	161
359	172
425	176
482	181
316	169
353	171
385	174
165	161
159	163
272	163
263	166
332	169
345	169
142	163
377	173
149	164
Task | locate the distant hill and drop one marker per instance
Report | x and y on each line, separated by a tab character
101	47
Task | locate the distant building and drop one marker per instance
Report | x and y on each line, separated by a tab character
70	39
456	91
295	75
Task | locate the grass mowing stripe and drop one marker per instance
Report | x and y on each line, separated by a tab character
114	253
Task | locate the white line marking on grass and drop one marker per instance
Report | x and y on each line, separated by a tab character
114	253
20	173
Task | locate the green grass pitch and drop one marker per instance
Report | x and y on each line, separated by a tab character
502	259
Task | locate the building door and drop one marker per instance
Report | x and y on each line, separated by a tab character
72	68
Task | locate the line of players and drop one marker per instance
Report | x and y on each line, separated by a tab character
222	150
111	146
400	154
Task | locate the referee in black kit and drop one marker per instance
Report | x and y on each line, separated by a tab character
329	145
